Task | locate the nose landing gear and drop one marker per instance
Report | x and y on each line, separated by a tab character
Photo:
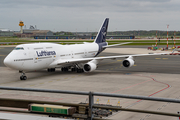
23	76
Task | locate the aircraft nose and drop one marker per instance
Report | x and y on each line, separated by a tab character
7	61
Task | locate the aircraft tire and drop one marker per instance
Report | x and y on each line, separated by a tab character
73	69
80	70
51	69
21	77
65	69
24	78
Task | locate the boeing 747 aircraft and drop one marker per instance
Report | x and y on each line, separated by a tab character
77	57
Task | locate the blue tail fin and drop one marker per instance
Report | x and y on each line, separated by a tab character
101	36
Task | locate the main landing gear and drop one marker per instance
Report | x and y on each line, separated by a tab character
23	76
78	70
51	69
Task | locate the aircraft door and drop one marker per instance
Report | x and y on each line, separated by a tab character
72	54
25	55
35	57
85	53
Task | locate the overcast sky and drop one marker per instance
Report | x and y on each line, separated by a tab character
88	15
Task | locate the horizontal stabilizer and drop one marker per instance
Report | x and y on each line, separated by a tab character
116	44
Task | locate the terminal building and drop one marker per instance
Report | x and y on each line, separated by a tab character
81	37
6	32
33	31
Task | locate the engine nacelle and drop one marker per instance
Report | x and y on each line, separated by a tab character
89	67
128	62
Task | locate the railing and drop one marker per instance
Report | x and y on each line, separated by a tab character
91	100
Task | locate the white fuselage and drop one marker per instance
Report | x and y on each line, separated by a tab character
30	57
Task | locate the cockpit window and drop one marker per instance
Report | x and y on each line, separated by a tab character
18	48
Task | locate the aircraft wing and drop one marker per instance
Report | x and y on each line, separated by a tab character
84	60
125	56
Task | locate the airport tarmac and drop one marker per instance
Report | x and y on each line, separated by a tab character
156	76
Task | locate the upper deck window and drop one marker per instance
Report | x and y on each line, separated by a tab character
18	48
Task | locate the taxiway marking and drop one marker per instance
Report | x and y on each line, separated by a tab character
161	58
131	86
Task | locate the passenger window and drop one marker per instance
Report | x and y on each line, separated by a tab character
18	48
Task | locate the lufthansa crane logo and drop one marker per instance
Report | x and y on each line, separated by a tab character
103	31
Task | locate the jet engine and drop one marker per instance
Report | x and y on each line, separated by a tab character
89	67
129	62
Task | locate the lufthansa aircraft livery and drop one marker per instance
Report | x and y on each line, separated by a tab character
45	53
77	57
